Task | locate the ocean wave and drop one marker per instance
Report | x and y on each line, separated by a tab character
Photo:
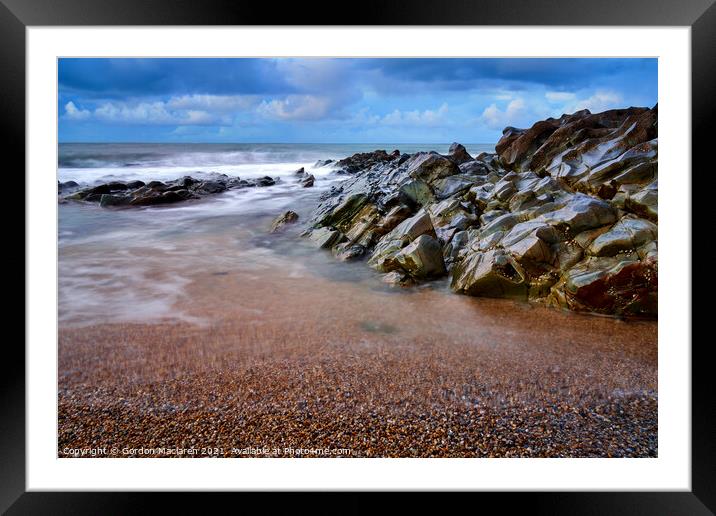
89	163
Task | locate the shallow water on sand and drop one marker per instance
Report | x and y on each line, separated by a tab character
175	263
206	260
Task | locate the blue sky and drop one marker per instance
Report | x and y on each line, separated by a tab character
321	100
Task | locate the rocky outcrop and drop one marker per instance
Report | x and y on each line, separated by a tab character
564	213
361	161
458	153
289	217
137	193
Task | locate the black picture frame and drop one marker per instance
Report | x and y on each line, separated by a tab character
17	15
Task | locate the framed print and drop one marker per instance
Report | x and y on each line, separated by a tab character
413	255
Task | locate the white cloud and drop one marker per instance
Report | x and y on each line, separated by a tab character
599	101
181	110
213	103
143	112
428	117
295	107
515	113
74	113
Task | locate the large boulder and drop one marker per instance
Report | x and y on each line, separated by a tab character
416	193
494	273
517	145
581	137
453	185
384	255
531	240
341	216
641	201
620	285
422	258
474	168
430	166
458	153
626	235
581	212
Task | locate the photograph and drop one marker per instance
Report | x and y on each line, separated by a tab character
357	257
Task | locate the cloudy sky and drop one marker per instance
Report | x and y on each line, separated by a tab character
323	100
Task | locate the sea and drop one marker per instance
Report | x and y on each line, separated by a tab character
136	265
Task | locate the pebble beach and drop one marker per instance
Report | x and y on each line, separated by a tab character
195	323
360	373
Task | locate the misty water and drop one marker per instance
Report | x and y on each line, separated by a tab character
134	265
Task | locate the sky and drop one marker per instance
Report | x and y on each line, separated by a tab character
328	100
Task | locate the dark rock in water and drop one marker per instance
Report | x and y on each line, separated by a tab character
114	200
348	252
265	181
396	278
184	183
186	194
289	217
137	193
322	163
152	198
308	181
209	187
458	153
364	160
67	186
96	192
563	214
236	182
325	238
116	186
300	172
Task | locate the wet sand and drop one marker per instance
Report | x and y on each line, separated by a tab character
268	359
